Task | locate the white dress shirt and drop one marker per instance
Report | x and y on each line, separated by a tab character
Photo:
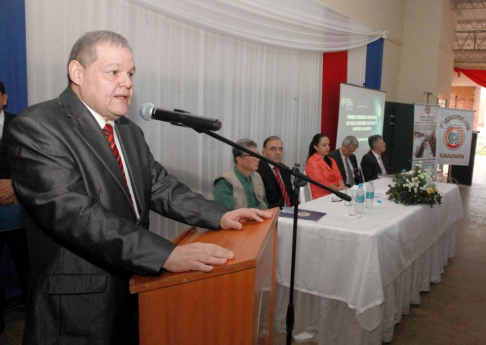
2	121
102	124
380	162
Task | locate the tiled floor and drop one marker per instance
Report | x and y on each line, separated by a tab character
452	313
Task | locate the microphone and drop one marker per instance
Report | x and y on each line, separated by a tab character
148	112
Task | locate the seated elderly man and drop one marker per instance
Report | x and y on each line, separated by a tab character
242	186
375	162
347	162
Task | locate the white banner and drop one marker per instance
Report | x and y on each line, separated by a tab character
425	136
454	136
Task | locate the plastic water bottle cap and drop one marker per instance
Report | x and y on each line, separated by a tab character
378	202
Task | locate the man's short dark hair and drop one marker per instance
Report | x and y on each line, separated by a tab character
2	88
246	143
374	140
84	50
273	137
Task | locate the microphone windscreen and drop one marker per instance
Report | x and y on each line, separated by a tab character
146	111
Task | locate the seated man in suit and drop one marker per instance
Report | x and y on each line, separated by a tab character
347	162
278	186
375	163
242	186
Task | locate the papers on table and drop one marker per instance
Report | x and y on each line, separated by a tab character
314	216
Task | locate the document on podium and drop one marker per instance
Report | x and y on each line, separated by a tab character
313	216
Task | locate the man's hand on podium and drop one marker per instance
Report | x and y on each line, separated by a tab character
233	219
197	257
203	256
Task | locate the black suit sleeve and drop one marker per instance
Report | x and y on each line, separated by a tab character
357	173
367	168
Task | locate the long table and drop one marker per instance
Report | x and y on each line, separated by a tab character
356	276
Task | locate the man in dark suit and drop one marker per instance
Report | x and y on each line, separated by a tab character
375	162
347	162
277	182
12	232
86	179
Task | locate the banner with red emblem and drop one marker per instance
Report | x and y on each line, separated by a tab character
455	128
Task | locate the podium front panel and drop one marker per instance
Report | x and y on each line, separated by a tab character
233	304
216	310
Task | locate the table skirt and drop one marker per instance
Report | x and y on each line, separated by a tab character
328	321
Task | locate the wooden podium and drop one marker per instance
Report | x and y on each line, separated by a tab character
233	304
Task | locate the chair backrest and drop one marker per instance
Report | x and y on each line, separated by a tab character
305	193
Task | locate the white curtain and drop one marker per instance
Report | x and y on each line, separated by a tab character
306	25
357	66
255	90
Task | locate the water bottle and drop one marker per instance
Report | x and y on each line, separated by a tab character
432	172
360	199
370	195
350	204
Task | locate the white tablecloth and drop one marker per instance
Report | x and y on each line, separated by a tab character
355	260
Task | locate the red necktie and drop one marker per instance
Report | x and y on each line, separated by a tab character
108	130
282	187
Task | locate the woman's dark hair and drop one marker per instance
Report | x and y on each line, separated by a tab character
315	141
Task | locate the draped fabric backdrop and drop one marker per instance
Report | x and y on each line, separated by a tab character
305	25
374	63
214	58
359	66
334	73
476	75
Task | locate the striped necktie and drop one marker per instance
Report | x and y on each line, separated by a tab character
349	173
108	130
282	187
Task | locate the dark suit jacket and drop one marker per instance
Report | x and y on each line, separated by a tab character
84	239
336	154
5	172
274	194
371	167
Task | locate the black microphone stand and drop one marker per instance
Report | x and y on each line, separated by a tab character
298	183
300	180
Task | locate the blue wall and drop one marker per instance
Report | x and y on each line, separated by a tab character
374	64
13	74
13	63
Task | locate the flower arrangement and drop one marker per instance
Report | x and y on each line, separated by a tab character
414	187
